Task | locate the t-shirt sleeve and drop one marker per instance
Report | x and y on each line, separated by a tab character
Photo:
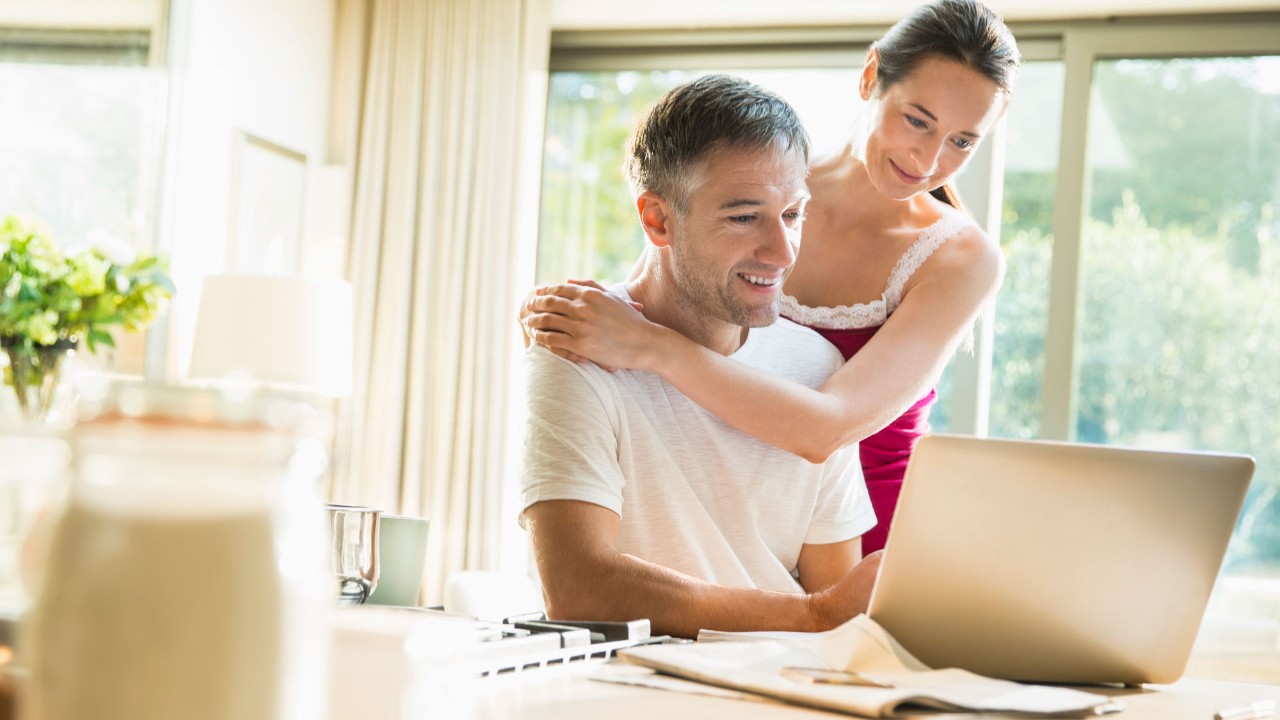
570	442
844	508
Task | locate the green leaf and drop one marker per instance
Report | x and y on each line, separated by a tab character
45	295
96	336
28	291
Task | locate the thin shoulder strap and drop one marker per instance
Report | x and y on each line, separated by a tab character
930	239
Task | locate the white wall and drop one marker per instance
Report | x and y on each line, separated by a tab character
262	66
670	14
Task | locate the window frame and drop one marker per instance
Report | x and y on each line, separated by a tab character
1077	44
128	47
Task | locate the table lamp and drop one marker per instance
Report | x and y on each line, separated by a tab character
285	332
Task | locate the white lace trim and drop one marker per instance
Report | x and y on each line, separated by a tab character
841	317
874	313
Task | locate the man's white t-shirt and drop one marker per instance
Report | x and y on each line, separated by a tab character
693	494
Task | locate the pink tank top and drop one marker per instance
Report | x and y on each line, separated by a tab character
849	327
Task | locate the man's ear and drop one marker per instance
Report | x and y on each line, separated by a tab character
656	215
867	81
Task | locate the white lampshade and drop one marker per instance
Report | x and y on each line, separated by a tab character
287	331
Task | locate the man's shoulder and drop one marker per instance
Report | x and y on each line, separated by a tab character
793	351
784	330
547	370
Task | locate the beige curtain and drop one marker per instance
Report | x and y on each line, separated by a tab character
443	218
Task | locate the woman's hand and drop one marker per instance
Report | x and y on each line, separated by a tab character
581	320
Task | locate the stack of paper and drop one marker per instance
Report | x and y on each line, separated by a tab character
873	675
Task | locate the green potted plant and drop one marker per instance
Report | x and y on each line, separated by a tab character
51	302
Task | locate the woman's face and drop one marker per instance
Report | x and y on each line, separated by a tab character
924	128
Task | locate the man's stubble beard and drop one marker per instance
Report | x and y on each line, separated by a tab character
711	297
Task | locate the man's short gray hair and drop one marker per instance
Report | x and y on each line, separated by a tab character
697	119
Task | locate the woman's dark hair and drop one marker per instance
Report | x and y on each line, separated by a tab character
965	31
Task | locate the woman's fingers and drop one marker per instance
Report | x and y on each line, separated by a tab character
583	318
551	304
551	340
550	321
553	315
554	341
570	289
573	357
585	305
590	284
573	290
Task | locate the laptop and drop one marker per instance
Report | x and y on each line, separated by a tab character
1056	562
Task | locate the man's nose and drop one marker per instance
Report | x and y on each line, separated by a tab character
778	246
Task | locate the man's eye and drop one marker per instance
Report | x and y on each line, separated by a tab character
741	219
794	217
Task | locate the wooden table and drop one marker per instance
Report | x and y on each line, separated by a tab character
376	674
555	693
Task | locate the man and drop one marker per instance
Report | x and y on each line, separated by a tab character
638	502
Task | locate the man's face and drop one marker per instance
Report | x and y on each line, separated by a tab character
738	238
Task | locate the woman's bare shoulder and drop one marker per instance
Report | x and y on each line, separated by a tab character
969	250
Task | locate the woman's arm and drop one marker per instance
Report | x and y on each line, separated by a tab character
894	370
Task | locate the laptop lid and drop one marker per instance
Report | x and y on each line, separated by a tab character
1056	562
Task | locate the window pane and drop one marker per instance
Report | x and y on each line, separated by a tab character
82	154
81	148
1180	332
588	223
1026	235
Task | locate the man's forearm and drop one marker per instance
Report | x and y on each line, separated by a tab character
584	577
624	587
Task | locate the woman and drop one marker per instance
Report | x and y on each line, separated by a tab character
891	269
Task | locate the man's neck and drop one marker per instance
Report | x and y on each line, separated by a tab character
653	289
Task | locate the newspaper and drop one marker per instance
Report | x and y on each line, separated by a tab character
857	669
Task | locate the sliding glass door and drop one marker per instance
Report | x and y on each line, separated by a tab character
1140	218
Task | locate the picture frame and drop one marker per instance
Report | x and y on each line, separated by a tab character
268	199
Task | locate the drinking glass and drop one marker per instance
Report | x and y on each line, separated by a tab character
354	551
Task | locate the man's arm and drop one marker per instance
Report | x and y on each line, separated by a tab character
584	577
821	566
